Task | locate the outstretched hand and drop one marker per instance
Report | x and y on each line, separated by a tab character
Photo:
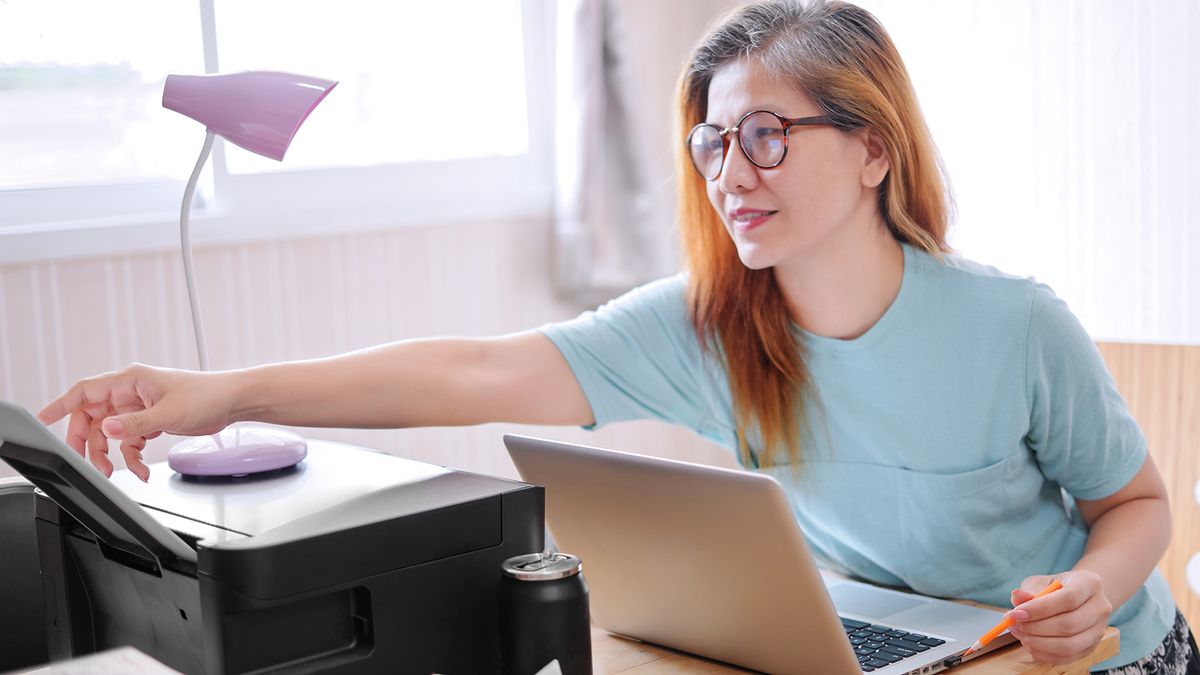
1063	626
134	405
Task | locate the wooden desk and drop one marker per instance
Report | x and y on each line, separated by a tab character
612	654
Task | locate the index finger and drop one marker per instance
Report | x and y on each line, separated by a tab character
1066	599
62	406
91	391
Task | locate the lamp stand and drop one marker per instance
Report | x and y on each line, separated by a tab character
185	239
233	451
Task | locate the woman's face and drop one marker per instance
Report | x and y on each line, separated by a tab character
788	213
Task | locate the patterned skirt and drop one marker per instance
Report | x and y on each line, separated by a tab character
1177	655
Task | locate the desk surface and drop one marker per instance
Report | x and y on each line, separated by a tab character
612	654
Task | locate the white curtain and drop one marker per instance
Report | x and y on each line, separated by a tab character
617	63
1070	132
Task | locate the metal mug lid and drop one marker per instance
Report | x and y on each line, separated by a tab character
544	566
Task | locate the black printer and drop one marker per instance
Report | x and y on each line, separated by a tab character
353	561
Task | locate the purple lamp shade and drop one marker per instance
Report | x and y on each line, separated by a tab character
258	110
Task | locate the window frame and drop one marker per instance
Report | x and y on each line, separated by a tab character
52	223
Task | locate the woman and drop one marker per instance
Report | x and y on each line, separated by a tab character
925	413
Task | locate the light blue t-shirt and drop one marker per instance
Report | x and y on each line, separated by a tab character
943	439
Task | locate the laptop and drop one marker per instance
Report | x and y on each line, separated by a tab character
711	561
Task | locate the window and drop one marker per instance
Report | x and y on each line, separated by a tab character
79	106
419	81
431	119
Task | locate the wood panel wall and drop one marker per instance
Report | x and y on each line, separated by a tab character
1161	384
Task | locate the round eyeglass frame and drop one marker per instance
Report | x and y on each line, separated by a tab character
785	122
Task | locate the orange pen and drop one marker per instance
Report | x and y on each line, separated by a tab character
1008	622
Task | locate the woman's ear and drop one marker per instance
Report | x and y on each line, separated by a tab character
878	161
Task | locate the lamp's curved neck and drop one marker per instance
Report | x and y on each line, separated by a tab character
186	246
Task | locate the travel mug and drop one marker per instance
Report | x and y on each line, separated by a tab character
544	614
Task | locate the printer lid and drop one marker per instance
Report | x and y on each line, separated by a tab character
331	475
82	491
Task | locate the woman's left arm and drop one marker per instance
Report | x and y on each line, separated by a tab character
1129	533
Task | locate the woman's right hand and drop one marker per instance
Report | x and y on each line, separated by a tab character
138	403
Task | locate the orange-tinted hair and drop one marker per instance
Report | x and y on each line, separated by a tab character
840	56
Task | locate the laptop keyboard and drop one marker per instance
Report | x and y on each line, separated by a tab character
878	646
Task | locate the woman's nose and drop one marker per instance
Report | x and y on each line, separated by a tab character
738	174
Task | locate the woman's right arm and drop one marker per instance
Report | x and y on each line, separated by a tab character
520	378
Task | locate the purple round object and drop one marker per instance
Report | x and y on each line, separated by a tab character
237	451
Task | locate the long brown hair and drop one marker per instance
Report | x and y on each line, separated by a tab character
842	58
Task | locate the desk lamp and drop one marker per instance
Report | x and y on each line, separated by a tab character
261	112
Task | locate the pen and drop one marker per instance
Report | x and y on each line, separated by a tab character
1008	622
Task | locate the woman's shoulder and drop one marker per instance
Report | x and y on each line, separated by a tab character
665	295
982	299
669	288
956	277
957	265
657	307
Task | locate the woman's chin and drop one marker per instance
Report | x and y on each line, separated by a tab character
755	258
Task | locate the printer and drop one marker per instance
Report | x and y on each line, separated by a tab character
352	561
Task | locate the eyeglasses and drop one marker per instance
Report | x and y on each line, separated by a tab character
762	135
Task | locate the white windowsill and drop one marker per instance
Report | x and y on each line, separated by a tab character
304	204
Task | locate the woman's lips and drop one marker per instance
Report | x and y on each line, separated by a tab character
746	220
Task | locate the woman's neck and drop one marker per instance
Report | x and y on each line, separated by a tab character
841	290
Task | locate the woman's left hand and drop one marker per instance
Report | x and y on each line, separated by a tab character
1065	625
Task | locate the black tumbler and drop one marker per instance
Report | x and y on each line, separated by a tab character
544	614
